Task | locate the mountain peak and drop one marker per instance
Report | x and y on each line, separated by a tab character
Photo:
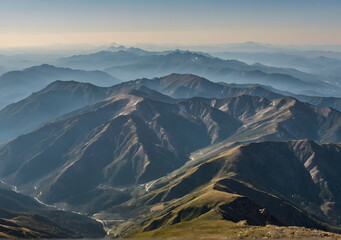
184	77
62	84
44	66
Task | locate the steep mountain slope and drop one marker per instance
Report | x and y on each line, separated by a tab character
278	111
320	101
143	135
23	217
62	97
188	85
16	85
126	135
314	100
48	104
291	183
56	99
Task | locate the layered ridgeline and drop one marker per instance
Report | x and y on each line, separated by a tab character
128	65
138	136
243	193
24	217
62	97
16	85
157	148
324	64
188	85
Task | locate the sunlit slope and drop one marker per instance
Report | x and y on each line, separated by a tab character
258	184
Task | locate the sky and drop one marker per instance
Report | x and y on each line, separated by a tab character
49	22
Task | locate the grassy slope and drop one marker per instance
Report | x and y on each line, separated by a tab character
209	228
199	203
210	224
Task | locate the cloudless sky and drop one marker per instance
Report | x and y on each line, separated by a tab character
43	22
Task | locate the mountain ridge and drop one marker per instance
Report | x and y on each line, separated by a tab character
118	140
16	85
128	67
62	97
246	170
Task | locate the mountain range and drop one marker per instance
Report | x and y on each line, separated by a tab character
63	97
118	141
325	67
16	85
238	150
127	65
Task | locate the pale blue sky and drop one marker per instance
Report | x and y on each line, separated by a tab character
169	21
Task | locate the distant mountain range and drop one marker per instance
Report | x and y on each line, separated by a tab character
127	64
17	85
327	68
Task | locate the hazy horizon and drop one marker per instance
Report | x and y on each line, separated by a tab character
36	23
164	119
